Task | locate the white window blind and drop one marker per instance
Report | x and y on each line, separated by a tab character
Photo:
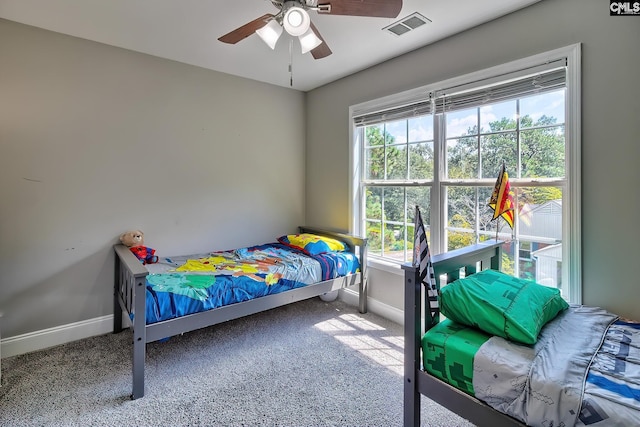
539	79
540	82
420	108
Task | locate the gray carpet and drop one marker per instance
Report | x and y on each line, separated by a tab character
311	363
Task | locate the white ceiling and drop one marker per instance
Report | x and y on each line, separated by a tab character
187	31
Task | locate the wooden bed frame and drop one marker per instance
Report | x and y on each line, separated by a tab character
417	381
130	282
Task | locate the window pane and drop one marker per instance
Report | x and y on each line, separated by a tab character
462	158
543	152
373	203
497	117
373	136
540	213
421	129
547	105
508	258
393	234
374	241
395	240
536	261
421	161
394	204
396	132
397	162
373	222
536	252
420	196
461	206
460	123
374	163
526	264
498	148
485	213
461	216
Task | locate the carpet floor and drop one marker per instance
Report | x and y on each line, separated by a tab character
311	363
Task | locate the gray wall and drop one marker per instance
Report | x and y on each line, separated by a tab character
610	136
96	140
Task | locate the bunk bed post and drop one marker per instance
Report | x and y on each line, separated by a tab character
412	331
139	337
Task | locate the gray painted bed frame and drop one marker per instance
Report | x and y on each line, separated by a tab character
130	281
417	381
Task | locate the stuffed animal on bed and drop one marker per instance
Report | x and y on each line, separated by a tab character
134	240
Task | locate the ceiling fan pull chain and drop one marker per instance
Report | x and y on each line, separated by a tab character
291	62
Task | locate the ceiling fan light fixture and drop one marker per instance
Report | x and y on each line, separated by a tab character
296	21
309	41
270	33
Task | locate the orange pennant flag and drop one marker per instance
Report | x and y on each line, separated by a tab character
502	198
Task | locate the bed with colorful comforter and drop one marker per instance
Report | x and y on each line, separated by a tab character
183	285
519	356
182	293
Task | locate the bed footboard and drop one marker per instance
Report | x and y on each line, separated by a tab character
448	267
130	279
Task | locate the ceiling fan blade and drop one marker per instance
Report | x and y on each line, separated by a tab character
246	30
322	50
374	8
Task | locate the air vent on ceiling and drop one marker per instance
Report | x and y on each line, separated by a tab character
406	24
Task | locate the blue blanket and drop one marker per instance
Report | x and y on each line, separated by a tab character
178	286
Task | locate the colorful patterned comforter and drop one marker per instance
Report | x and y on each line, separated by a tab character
178	286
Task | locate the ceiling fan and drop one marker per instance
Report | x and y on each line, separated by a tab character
294	18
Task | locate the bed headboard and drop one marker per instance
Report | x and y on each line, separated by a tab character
447	267
357	245
469	259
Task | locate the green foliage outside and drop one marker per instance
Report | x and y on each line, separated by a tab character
470	156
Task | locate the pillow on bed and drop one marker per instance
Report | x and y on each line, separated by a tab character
503	305
312	243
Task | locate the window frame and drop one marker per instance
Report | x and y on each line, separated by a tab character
571	199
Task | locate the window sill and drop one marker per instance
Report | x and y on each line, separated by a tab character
389	267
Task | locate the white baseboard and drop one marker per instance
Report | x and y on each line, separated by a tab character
39	340
374	306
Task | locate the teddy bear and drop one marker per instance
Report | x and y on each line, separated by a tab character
134	240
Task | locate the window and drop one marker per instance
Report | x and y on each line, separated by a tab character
441	147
